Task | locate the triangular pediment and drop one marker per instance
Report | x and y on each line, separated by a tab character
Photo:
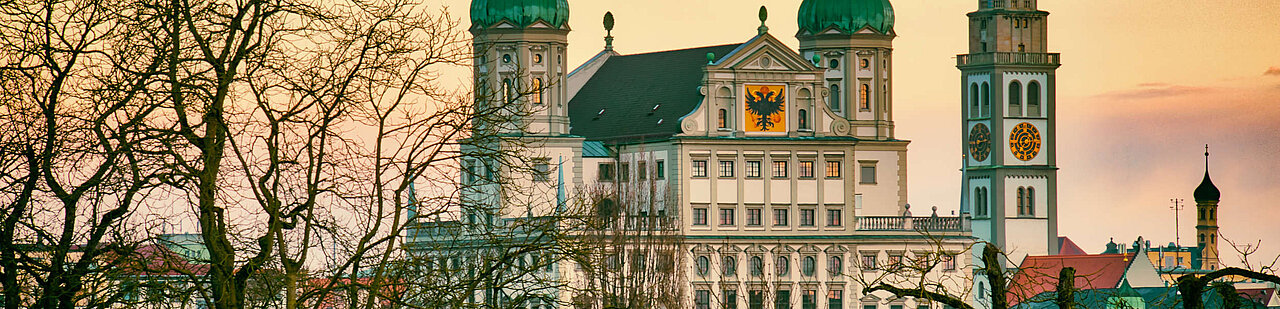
540	24
764	52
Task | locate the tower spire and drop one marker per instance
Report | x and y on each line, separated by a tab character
1206	158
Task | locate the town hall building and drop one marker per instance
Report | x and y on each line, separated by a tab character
780	168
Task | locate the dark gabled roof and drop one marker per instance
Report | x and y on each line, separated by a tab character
627	87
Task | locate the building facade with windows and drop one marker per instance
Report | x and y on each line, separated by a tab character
780	168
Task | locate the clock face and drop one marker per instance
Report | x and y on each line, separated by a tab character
1024	141
980	142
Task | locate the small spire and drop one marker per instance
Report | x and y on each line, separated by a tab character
764	15
608	28
1206	158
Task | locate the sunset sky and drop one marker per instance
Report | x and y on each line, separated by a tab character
1143	86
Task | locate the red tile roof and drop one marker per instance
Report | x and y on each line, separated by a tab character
1068	247
1039	274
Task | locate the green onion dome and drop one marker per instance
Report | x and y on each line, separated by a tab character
846	16
521	13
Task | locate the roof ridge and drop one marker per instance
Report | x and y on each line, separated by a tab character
682	49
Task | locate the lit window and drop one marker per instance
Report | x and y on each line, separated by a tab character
864	96
537	89
834	217
724	119
804	119
806	169
833	169
699	168
726	168
835	299
779	169
753	169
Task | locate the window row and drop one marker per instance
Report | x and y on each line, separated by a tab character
610	171
754	169
510	92
834	264
756	299
781	217
980	100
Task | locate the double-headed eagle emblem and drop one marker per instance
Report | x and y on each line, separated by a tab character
765	103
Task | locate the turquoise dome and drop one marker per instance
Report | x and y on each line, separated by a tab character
846	15
522	13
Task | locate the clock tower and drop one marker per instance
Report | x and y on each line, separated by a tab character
1009	128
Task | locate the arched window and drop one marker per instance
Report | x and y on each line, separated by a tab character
1031	201
1022	198
757	266
1213	239
729	265
977	203
1015	99
1212	214
1201	239
835	98
809	266
1033	99
834	266
704	265
537	91
1202	214
804	119
982	290
723	118
864	97
508	91
986	99
973	100
782	266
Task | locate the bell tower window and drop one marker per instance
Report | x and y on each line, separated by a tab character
1015	99
537	91
1033	99
723	119
864	97
986	100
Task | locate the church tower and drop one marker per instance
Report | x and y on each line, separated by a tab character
853	39
1009	128
520	54
1207	196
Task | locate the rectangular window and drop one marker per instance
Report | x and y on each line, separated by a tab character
605	171
833	169
857	201
699	216
642	171
542	170
868	173
806	169
753	169
726	168
834	218
755	300
726	216
835	299
895	258
468	171
782	299
702	299
779	169
809	300
949	262
780	217
753	216
806	217
869	260
730	299
660	169
699	168
624	172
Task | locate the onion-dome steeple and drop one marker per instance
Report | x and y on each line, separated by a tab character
520	13
847	16
1207	191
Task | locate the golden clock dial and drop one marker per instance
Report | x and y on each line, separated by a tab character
980	142
1024	141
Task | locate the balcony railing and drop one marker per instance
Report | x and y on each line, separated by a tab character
899	223
1009	58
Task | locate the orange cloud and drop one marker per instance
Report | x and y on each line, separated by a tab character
1272	71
